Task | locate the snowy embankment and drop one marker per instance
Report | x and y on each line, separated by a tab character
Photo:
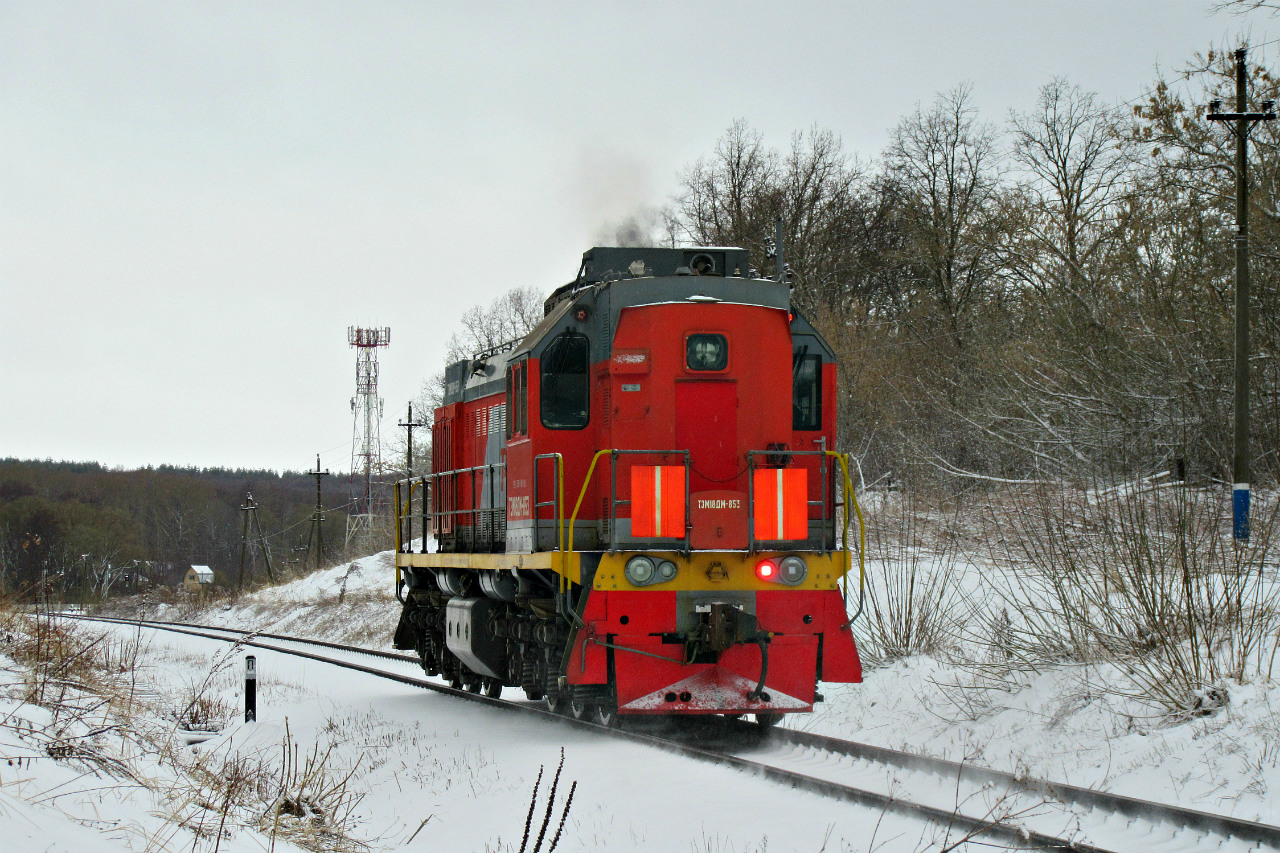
349	603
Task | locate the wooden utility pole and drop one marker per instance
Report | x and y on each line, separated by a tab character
1243	122
250	510
410	425
317	520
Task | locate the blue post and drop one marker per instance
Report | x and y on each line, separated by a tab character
1240	511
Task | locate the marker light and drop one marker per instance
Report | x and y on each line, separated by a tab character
666	570
767	570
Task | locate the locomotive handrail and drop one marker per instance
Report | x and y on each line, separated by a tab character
751	497
851	495
404	511
557	499
399	538
614	503
476	513
582	493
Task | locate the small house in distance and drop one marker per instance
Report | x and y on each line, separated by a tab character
198	579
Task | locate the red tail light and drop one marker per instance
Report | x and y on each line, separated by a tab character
767	570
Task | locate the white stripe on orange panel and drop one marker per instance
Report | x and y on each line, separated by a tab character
657	500
780	503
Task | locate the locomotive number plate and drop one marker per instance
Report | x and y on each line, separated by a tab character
630	386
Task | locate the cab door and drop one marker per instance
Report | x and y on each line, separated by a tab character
707	426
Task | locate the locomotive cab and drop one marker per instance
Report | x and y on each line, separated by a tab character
646	488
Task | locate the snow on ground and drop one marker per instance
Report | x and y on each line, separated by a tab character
349	603
1059	726
404	769
469	775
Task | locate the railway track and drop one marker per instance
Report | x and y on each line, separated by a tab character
1018	812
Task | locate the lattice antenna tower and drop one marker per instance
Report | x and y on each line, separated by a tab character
366	430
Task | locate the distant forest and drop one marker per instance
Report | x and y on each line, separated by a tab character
78	531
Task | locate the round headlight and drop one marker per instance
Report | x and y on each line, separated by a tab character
792	570
639	570
666	570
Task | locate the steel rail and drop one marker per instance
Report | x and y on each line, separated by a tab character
980	828
1251	831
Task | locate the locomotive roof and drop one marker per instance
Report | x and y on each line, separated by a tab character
614	263
612	279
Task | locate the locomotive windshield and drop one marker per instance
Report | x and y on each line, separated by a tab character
565	390
707	352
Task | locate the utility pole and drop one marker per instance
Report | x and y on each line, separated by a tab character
317	520
410	425
1240	445
250	510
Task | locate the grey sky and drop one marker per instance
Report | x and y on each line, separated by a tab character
197	199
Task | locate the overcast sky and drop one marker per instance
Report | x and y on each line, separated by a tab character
197	199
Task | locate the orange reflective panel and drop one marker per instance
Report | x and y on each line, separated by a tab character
657	501
781	503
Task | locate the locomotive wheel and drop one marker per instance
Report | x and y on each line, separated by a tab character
455	682
607	716
556	702
580	710
766	721
474	686
493	688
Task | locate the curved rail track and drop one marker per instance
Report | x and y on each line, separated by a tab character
987	805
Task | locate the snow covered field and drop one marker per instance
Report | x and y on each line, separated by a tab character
380	766
415	756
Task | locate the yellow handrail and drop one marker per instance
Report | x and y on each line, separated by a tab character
851	495
564	554
403	510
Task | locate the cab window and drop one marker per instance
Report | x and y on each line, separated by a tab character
565	391
517	401
707	352
806	390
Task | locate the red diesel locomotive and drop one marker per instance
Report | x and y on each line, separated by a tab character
635	507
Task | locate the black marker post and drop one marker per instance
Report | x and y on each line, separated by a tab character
250	689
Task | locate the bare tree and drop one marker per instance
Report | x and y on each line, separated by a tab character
732	197
1075	165
946	161
506	319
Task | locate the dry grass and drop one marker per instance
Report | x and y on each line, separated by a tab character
1142	578
87	685
914	601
